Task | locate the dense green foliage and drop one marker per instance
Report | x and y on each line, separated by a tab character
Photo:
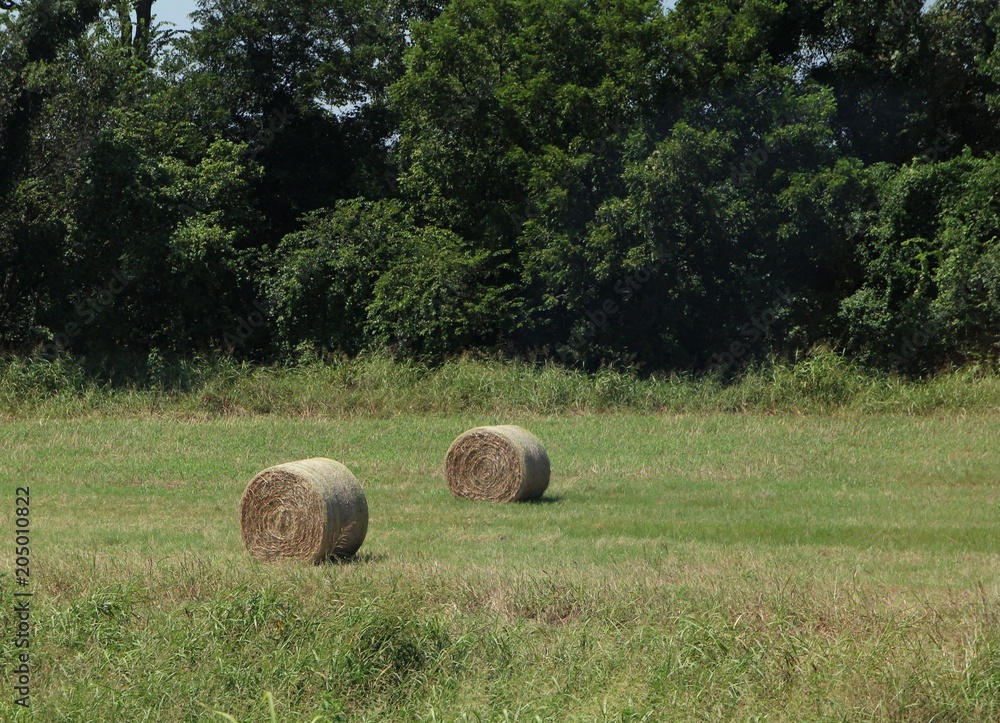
588	182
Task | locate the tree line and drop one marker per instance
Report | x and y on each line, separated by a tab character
589	181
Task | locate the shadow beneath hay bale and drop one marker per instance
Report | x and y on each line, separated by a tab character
544	500
362	558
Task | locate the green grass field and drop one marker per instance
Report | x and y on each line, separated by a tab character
680	567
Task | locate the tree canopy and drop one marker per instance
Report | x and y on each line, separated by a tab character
589	181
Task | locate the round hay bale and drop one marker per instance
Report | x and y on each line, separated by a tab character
503	463
311	510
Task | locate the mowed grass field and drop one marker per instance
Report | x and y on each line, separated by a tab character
680	567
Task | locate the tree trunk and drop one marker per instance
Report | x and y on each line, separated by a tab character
143	20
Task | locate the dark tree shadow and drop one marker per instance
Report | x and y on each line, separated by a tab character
544	500
362	558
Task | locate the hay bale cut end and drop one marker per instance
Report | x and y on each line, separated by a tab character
313	509
502	463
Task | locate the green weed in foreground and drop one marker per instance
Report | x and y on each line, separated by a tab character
684	567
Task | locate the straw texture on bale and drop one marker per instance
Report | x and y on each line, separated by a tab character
310	510
503	463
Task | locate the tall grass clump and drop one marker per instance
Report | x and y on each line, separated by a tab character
376	385
364	643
